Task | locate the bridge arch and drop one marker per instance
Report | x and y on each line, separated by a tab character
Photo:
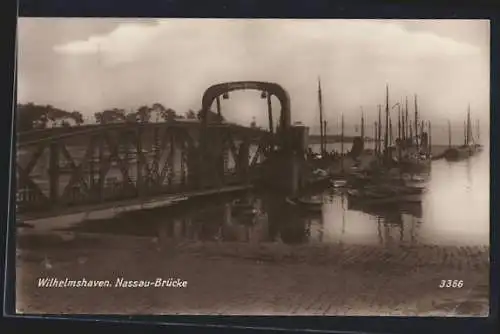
215	91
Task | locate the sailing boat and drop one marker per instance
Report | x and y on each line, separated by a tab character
320	156
358	143
415	155
381	187
477	145
468	149
321	124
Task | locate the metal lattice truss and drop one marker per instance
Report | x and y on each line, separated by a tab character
116	163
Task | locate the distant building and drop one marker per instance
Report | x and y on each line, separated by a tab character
38	124
68	121
51	123
57	123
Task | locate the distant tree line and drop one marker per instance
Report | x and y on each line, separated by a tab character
31	116
145	114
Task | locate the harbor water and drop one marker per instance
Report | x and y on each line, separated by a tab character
454	210
249	254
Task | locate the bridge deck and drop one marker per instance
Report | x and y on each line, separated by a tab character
135	204
27	138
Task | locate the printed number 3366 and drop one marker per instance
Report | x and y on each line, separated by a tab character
451	284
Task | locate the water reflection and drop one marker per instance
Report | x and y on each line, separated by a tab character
254	219
449	214
456	207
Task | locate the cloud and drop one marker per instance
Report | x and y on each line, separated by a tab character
173	61
124	44
130	41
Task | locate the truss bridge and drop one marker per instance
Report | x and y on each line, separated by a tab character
86	167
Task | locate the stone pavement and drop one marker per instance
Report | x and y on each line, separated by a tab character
252	279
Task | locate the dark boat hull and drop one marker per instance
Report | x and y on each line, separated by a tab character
406	198
415	166
386	193
313	206
383	209
306	205
459	153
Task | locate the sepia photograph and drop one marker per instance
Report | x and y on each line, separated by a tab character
326	167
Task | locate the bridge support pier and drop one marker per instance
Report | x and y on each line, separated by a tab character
209	160
298	177
286	170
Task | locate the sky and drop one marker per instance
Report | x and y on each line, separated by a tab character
89	64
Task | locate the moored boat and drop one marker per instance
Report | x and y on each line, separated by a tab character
355	180
458	153
401	189
383	198
387	180
468	149
411	181
385	191
478	147
313	204
415	164
338	183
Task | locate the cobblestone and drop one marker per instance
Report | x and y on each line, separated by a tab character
272	279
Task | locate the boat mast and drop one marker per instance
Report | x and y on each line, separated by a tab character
386	136
391	136
416	124
379	139
362	125
465	133
376	136
422	130
469	132
407	132
324	134
399	123
449	134
320	100
342	142
430	139
478	132
403	133
411	135
400	131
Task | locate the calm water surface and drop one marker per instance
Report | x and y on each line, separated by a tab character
454	211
